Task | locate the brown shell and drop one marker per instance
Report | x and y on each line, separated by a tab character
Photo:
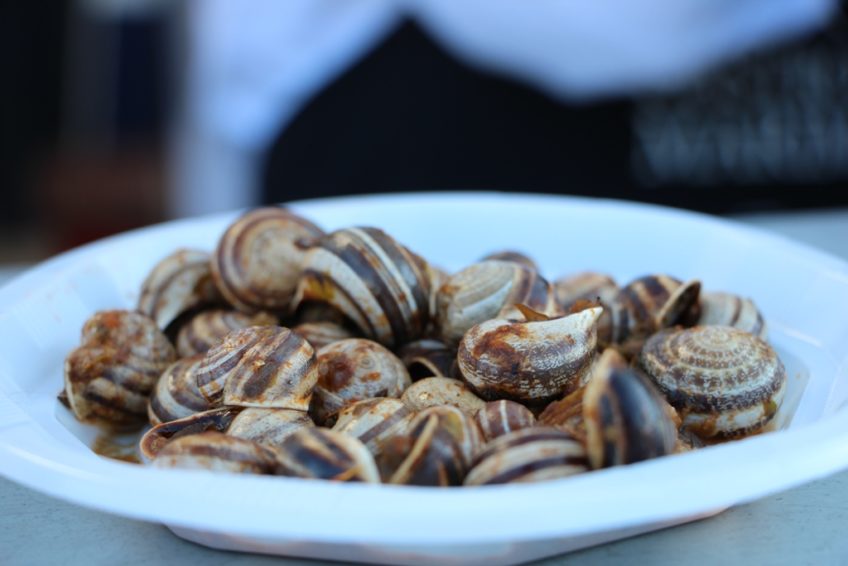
258	261
216	452
514	256
529	361
109	378
498	418
726	309
374	421
352	370
528	455
479	292
259	366
176	394
437	450
318	453
437	391
724	381
585	286
376	282
428	358
268	427
321	334
217	420
208	328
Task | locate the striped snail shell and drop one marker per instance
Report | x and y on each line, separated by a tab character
268	427
528	455
585	286
374	421
726	309
529	361
352	370
514	256
178	283
428	358
479	292
376	282
319	453
437	451
259	366
725	382
109	378
257	263
216	452
208	328
216	420
321	334
311	311
626	419
436	391
498	418
176	394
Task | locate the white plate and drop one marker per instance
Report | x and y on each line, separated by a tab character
803	294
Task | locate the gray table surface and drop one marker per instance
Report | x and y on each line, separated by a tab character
806	525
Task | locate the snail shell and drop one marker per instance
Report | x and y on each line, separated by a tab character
514	256
529	361
479	292
725	309
208	328
437	451
109	378
218	453
352	370
180	282
436	391
268	427
725	382
498	418
374	421
217	420
257	263
259	366
626	419
649	304
428	358
586	286
318	453
176	394
528	455
375	281
321	334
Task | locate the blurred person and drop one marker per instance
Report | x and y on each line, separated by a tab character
309	98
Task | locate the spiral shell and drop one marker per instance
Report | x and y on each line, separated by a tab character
321	334
725	382
259	366
437	451
109	378
318	453
479	292
258	260
428	358
176	394
268	427
216	420
374	421
436	391
586	286
514	256
626	419
498	418
180	282
352	370
528	455
375	281
529	361
216	452
208	328
725	309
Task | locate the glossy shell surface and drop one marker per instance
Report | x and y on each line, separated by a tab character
216	452
176	394
319	453
208	328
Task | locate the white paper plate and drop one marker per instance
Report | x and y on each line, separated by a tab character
803	294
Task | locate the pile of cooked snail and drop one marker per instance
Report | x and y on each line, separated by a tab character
346	356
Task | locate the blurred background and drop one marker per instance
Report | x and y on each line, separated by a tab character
117	114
